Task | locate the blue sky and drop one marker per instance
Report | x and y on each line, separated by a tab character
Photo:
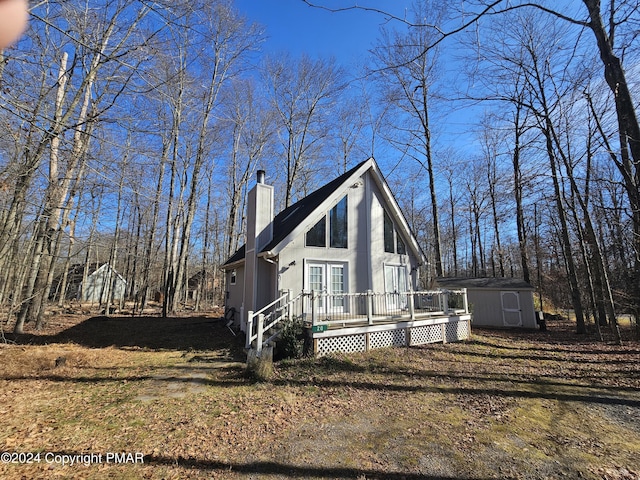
293	26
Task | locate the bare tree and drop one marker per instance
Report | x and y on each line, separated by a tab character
100	37
613	25
249	122
301	92
408	71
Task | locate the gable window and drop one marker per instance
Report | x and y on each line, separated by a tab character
388	234
393	243
316	237
336	236
338	225
401	248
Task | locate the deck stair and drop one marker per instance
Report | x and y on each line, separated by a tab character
269	321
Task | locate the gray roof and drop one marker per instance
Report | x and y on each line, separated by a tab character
486	282
290	217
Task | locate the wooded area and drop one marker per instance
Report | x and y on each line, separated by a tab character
132	130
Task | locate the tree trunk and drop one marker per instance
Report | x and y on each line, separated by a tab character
564	232
517	191
629	131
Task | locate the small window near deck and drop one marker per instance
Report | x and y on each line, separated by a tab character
388	234
338	225
316	236
233	276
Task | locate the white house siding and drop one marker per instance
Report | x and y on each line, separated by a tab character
380	258
271	266
235	290
294	259
365	255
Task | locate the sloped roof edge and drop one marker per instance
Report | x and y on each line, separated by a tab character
289	218
292	217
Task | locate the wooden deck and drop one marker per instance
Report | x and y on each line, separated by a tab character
362	336
364	321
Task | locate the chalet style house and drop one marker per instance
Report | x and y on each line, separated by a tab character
345	261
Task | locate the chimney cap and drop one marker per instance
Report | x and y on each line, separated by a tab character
260	176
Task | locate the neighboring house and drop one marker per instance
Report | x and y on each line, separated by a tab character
342	242
497	302
203	286
94	284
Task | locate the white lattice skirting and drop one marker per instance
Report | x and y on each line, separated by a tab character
362	339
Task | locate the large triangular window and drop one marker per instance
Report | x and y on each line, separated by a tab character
317	235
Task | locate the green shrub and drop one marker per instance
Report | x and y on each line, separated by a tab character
291	341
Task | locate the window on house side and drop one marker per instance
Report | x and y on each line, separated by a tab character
402	249
388	234
338	225
233	276
316	236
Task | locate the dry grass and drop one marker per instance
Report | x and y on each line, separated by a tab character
503	405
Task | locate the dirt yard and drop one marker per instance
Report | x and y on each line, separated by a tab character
125	397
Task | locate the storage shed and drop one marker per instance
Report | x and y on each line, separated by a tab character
497	302
91	283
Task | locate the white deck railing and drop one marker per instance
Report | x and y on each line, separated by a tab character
322	311
370	307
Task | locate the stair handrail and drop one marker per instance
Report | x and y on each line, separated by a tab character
285	301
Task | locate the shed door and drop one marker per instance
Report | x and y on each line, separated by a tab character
511	314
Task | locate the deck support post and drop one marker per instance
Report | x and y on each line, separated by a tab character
465	300
314	316
287	311
412	307
249	331
260	333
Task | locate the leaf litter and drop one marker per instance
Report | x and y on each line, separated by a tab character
506	404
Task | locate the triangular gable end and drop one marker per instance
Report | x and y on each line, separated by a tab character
334	191
333	196
107	266
302	215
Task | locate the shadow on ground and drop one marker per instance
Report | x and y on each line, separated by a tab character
154	333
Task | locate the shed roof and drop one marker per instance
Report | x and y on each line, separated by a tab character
495	283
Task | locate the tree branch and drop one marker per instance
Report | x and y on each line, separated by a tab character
487	10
